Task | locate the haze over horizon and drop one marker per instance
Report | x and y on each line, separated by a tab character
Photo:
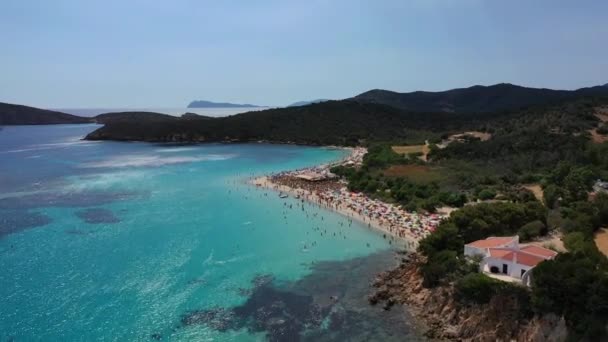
70	53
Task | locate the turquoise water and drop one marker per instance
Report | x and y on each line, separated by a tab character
120	241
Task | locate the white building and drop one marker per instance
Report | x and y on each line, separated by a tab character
504	256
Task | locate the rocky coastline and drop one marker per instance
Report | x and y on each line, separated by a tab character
445	318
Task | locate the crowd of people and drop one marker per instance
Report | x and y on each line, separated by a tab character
333	194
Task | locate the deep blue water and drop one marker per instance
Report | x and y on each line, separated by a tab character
138	241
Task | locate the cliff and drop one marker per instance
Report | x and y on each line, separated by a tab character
448	319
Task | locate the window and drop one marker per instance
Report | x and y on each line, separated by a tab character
505	269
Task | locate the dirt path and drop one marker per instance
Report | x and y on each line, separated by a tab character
536	190
601	240
596	137
551	241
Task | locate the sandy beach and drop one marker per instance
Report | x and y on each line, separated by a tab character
388	219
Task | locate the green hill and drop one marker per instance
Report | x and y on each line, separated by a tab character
475	99
12	114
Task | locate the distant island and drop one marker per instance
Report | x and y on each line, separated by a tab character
209	104
304	103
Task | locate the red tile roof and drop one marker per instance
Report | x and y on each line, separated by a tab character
540	251
523	258
498	253
491	242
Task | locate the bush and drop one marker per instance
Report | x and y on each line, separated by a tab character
438	268
475	288
574	285
486	194
603	129
532	230
552	194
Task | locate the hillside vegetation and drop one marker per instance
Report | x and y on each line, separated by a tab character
476	99
12	114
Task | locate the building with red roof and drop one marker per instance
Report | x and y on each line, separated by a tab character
504	256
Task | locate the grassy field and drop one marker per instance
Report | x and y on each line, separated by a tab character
408	149
415	173
424	149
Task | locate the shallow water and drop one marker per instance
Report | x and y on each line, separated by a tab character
126	241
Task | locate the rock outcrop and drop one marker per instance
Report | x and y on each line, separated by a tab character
448	319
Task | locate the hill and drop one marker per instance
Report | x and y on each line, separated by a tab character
345	122
304	103
475	99
132	117
209	104
194	116
12	114
327	123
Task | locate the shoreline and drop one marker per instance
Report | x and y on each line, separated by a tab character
400	226
411	242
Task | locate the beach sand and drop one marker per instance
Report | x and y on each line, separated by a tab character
409	240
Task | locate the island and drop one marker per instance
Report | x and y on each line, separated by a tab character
210	104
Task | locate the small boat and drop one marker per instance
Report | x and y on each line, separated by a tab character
283	195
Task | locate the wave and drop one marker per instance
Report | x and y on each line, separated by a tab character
227	261
105	180
151	160
176	149
41	147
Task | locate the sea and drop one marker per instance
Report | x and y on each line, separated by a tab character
117	241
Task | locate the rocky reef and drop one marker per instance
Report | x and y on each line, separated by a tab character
448	319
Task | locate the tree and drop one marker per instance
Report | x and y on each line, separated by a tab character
531	230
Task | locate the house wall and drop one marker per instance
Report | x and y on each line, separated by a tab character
513	269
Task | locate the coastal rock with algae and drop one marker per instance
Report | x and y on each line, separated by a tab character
448	319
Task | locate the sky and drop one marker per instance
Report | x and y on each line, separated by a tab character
153	53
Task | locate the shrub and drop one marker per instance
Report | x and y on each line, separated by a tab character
475	288
486	194
531	230
438	268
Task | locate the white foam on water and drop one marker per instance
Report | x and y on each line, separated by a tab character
176	149
209	258
106	180
233	259
152	160
70	142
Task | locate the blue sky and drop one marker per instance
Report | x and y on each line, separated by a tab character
151	53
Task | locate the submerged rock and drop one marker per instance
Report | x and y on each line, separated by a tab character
329	304
97	216
13	221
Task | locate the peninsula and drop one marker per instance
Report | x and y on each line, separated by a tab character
12	114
